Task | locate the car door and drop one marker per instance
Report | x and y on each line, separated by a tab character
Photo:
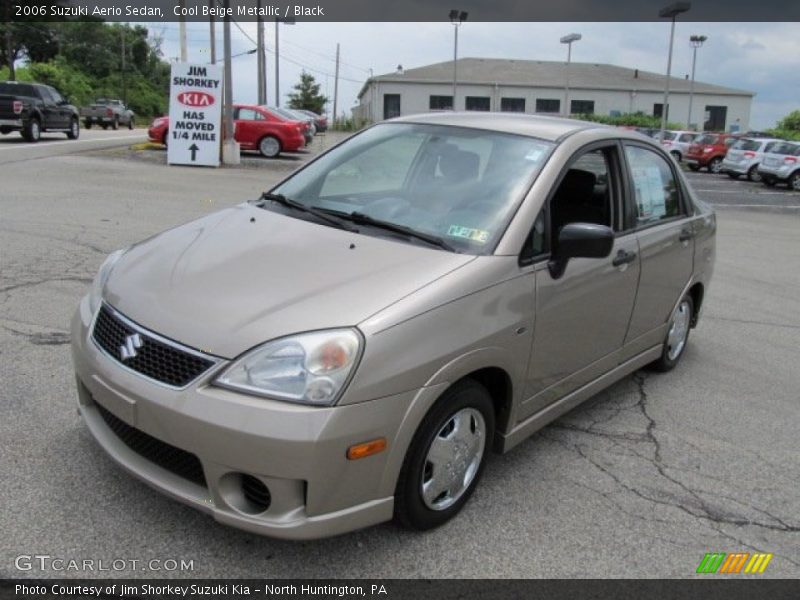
50	110
62	108
581	316
248	122
658	212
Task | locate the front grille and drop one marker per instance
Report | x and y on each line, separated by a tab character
177	461
153	358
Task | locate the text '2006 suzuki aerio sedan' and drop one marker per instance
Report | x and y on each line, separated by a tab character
350	346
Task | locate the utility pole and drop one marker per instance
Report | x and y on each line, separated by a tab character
277	67
124	75
336	85
696	41
230	149
261	58
212	33
182	22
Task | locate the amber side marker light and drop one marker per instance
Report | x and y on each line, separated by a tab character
366	449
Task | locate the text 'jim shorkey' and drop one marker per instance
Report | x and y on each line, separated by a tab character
720	562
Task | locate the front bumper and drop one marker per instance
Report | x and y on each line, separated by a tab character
297	452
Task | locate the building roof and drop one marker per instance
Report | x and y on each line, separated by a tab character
549	74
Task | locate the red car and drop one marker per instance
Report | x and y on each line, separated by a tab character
708	150
256	128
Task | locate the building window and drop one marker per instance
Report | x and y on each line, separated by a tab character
582	107
441	103
658	110
391	106
478	103
512	104
548	105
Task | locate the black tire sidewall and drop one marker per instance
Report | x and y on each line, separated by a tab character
410	508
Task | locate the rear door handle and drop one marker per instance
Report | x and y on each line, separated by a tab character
623	257
685	235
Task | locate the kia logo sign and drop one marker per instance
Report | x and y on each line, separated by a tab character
195	99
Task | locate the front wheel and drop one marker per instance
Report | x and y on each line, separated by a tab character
677	335
446	457
715	165
269	146
74	129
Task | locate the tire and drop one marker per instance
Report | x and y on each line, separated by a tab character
130	123
164	139
733	175
32	132
768	181
676	155
677	336
694	167
115	123
715	165
269	146
459	428
74	129
753	174
794	181
5	130
87	124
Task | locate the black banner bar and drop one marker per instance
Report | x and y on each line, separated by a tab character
401	10
708	588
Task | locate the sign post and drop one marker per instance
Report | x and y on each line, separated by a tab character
195	114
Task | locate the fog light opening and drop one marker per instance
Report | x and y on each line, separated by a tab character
245	493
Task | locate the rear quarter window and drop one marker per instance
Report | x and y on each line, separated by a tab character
17	89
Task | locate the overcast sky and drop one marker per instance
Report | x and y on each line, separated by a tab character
760	57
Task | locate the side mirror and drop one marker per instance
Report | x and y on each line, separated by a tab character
580	240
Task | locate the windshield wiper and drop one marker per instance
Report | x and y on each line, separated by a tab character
283	200
362	219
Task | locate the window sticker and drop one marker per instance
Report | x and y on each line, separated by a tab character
480	236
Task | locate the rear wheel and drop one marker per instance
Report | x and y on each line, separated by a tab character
753	174
446	458
733	175
87	124
115	123
794	181
768	181
694	167
715	165
74	129
32	131
269	146
5	130
677	335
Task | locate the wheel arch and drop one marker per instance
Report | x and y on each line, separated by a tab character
696	292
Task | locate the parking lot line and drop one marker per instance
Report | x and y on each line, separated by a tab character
46	144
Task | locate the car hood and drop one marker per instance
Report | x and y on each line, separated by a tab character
240	277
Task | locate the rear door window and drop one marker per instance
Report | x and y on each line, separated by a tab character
655	187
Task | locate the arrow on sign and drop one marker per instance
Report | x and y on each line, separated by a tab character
193	149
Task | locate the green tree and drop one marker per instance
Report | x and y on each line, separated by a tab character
306	95
788	127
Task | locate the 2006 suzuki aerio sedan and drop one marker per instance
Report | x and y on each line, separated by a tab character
350	346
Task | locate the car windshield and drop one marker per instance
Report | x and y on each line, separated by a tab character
707	139
745	144
458	184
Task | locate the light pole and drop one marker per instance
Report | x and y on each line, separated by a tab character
696	41
568	39
456	18
670	12
289	21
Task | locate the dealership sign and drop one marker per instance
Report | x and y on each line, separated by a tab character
195	115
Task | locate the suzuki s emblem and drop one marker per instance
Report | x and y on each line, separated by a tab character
132	343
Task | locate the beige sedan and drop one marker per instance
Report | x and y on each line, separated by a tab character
349	347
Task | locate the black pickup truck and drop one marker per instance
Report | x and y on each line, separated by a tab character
32	108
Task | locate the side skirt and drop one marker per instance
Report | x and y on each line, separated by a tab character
505	442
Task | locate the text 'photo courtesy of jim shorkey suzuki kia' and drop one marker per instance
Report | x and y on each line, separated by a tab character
350	346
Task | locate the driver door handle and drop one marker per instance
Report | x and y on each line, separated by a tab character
685	235
623	257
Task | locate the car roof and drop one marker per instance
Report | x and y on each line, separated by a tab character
546	128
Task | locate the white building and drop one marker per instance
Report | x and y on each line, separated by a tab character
534	86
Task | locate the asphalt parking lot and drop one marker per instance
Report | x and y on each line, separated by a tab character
640	481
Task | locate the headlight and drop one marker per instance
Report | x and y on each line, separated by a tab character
310	368
96	294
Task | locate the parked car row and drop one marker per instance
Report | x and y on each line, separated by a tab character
754	155
266	129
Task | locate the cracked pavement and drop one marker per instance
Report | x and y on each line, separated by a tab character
640	481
